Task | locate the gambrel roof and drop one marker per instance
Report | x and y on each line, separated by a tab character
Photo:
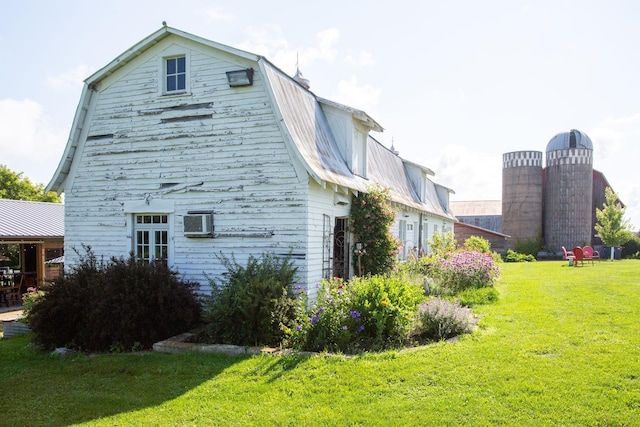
303	124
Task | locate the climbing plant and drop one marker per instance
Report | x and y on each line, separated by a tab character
371	218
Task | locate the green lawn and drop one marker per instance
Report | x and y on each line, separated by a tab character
561	347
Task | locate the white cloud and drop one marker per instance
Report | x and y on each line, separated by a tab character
607	142
472	175
270	42
364	97
71	80
28	139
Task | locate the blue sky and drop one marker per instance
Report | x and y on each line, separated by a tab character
454	84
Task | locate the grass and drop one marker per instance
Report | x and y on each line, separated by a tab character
560	347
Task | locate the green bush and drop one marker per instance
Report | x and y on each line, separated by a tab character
442	244
529	246
367	313
439	319
255	304
512	256
122	304
478	244
631	248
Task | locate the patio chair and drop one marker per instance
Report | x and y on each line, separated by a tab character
578	256
567	254
590	254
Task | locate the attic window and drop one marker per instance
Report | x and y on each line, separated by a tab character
176	74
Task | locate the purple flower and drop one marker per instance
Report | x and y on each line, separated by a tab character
355	314
299	327
345	327
361	328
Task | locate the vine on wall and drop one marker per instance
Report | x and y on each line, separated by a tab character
371	219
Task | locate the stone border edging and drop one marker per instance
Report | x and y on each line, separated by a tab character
179	344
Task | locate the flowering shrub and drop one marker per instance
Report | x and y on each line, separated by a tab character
463	270
329	325
439	319
371	219
366	313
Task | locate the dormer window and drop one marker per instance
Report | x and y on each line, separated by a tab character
176	74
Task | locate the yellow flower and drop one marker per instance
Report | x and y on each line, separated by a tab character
384	303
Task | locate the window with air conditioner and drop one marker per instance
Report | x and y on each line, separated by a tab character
198	224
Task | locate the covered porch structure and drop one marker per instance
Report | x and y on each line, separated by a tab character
31	234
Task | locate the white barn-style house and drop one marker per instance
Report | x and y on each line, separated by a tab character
185	148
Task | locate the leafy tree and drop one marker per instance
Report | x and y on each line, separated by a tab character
613	229
371	220
14	186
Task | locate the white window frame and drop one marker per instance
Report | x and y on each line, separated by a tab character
151	231
173	53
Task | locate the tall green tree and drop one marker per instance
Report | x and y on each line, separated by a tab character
611	226
14	186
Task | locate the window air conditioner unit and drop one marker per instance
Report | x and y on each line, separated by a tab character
198	224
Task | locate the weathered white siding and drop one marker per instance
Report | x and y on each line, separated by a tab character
322	201
215	148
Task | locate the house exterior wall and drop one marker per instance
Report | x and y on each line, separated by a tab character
210	149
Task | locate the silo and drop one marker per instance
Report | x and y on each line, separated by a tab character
568	191
522	196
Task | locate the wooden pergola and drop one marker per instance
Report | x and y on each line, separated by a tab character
38	228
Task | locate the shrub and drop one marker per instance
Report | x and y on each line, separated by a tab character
463	270
632	247
366	313
122	304
442	244
371	219
512	256
256	304
30	298
529	246
439	319
478	244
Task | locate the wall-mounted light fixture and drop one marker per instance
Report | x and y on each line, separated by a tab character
240	77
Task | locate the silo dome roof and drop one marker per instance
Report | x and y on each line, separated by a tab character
572	139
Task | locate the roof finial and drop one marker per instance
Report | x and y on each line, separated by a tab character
393	149
164	23
299	77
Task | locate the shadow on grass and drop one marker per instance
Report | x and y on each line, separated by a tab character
40	389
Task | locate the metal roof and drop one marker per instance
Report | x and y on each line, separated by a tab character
572	139
304	127
476	208
20	219
309	130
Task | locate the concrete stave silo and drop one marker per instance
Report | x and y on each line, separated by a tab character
568	191
522	196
